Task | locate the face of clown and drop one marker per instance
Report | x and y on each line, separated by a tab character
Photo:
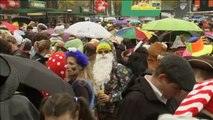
102	66
72	67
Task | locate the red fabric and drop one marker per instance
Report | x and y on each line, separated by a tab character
139	34
56	63
201	97
9	26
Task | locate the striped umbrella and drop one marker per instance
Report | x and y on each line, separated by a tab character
133	33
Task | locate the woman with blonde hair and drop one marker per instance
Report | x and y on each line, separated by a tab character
77	75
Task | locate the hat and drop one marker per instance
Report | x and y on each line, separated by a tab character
178	70
196	47
203	62
42	26
80	57
58	30
177	43
56	63
154	50
76	43
8	72
103	45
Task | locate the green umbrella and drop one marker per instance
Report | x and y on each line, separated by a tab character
171	24
76	43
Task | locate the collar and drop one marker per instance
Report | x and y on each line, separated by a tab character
158	94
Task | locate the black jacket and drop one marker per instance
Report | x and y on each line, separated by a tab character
141	103
40	58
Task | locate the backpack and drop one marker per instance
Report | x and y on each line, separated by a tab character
90	89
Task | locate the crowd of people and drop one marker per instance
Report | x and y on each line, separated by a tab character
112	78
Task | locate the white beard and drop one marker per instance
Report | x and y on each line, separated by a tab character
102	69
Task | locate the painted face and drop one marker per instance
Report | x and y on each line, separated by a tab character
72	67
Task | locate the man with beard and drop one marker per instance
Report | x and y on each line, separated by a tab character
101	71
103	64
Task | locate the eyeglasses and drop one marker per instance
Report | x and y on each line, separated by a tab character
105	52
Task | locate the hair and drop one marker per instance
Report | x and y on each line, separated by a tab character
5	47
59	104
40	46
11	39
4	34
119	49
89	49
129	43
137	63
27	45
40	36
204	74
143	51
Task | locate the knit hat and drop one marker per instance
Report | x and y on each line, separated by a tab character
76	43
195	47
56	63
103	45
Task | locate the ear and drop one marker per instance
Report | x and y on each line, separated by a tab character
162	77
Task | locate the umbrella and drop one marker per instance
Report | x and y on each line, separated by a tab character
133	33
171	36
95	20
22	19
88	29
36	75
171	24
135	22
120	21
9	26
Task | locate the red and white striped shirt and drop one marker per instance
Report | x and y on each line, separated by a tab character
199	98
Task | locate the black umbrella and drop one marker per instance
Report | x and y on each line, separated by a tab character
36	75
22	19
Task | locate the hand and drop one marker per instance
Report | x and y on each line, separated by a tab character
103	98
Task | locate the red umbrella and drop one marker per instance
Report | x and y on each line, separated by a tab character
9	26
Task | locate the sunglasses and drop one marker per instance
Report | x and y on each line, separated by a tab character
105	52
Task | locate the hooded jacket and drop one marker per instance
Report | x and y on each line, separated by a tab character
140	103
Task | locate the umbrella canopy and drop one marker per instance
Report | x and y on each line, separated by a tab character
36	75
21	19
88	29
120	21
171	24
133	33
135	22
9	26
171	36
209	35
